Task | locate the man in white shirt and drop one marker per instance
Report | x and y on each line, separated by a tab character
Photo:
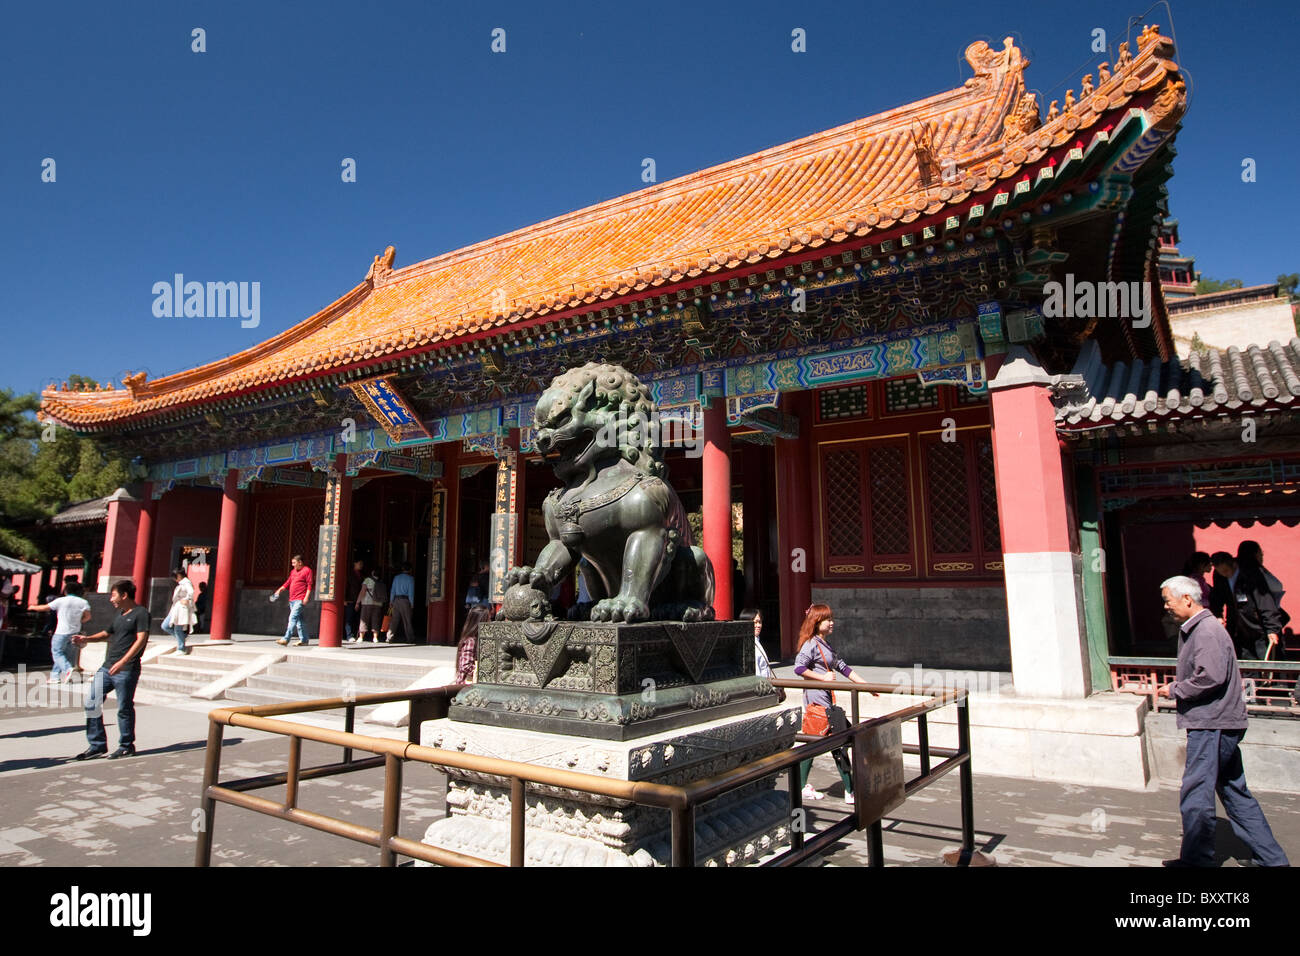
72	611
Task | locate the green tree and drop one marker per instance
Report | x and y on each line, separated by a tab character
1216	285
39	477
1290	285
18	430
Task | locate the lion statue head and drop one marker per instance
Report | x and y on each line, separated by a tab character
590	417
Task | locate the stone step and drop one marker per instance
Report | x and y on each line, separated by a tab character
172	685
183	669
387	679
313	689
257	695
352	662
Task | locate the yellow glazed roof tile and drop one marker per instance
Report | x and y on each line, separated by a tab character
849	181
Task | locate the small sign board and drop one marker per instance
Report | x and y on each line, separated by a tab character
883	772
326	560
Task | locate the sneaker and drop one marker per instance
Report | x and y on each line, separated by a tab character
848	799
91	753
184	650
388	639
282	642
810	794
122	752
54	679
301	644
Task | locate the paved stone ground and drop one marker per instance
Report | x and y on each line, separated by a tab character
141	811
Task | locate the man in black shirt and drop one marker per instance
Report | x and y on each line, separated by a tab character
1242	599
127	637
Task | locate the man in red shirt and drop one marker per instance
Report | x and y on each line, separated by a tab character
299	585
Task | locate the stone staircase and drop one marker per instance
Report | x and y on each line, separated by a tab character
315	676
184	674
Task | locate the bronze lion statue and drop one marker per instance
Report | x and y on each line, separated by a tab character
597	426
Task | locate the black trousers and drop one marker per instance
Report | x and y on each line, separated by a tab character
401	622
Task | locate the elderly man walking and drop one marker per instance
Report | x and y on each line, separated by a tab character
1211	708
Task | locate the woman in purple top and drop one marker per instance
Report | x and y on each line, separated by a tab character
817	660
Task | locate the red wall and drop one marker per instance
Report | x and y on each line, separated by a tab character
183	514
1156	550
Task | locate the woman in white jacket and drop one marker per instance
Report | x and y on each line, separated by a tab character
182	615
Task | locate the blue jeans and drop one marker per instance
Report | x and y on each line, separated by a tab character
59	651
1214	766
295	622
123	683
178	632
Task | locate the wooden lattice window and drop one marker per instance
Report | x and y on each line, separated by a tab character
272	524
283	527
891	530
950	528
961	505
909	395
988	497
842	404
867	510
844	531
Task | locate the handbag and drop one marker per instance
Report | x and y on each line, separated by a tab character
819	720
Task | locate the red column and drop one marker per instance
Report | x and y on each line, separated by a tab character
141	569
717	504
119	535
338	511
441	619
794	528
1045	615
223	588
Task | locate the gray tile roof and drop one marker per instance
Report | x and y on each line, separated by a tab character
1210	383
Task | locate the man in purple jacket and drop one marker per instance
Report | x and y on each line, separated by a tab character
1211	708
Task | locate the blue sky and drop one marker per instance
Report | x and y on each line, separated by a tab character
225	165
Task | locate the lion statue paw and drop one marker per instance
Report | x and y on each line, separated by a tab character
628	610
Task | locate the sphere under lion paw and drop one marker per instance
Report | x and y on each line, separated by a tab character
524	603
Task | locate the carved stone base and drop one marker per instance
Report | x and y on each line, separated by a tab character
569	828
612	681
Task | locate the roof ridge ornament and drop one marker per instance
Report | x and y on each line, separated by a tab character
382	267
986	61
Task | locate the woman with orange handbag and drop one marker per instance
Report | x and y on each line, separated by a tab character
817	660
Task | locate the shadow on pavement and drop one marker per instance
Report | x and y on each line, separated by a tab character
41	763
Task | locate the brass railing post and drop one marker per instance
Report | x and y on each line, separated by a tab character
684	835
967	780
211	771
518	807
923	741
392	808
876	844
797	813
295	766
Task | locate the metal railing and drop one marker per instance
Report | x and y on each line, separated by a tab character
681	802
1268	685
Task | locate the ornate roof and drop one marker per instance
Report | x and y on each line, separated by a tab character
856	180
1206	384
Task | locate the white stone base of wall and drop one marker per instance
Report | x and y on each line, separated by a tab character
1270	752
1094	742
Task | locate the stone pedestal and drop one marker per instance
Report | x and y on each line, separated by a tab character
612	681
568	828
